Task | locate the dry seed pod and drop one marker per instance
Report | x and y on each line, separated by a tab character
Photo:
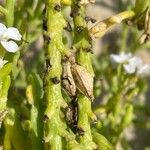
67	79
83	80
99	29
146	35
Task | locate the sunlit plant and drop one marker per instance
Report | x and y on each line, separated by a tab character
50	80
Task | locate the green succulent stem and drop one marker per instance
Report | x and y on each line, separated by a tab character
141	6
66	2
5	82
82	43
53	125
38	121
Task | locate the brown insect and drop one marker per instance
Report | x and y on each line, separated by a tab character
71	115
67	79
77	77
83	80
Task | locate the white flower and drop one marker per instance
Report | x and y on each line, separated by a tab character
2	62
131	64
7	35
135	65
121	58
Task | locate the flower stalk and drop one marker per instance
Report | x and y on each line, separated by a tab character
10	4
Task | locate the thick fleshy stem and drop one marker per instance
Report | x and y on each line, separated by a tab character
4	87
83	45
54	126
66	2
52	89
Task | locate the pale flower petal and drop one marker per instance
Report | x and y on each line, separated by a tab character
133	64
12	33
136	61
7	34
121	58
2	62
144	70
129	68
10	46
2	28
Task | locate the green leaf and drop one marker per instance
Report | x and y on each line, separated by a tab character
4	92
141	5
128	116
102	142
37	86
5	71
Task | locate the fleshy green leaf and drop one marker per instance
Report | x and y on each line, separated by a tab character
5	71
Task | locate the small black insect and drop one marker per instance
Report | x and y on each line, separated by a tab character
87	19
80	29
68	27
57	8
47	39
80	131
55	80
48	63
45	118
44	24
